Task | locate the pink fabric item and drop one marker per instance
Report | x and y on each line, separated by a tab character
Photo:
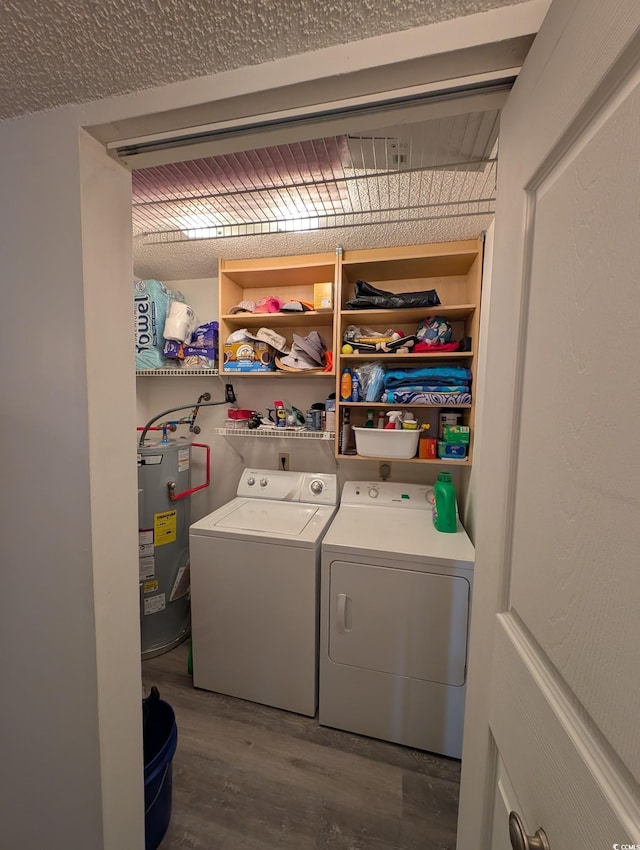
446	346
270	304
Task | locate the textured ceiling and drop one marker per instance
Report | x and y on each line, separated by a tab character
199	258
71	51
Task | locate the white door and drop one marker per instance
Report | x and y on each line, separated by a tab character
553	708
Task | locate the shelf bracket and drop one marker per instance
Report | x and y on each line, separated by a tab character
234	449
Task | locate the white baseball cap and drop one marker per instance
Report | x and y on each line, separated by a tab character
271	337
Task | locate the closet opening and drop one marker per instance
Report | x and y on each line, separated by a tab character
367	182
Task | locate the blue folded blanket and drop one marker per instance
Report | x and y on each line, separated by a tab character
428	375
430	388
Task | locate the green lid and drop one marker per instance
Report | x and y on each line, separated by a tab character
444	476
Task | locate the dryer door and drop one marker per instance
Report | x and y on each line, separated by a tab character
399	621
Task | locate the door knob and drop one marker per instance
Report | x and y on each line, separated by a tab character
519	838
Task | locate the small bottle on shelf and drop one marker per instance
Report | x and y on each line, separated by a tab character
280	414
369	422
381	422
345	385
355	387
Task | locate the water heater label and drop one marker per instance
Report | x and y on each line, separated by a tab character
149	460
145	542
154	604
151	586
147	568
165	527
183	460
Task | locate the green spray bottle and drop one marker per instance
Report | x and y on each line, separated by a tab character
444	510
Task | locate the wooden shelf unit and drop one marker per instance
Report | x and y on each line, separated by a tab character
454	270
288	278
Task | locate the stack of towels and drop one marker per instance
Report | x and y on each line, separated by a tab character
445	385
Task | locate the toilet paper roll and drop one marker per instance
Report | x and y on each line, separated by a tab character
180	323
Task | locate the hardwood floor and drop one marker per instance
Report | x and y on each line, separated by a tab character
249	777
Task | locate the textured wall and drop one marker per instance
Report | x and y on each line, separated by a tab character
199	258
71	51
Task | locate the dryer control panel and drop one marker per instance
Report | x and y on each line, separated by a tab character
318	488
388	494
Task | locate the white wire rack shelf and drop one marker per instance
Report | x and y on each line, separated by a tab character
176	373
433	169
279	433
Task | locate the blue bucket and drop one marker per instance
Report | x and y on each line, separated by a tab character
160	737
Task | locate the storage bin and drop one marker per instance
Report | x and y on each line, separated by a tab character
383	442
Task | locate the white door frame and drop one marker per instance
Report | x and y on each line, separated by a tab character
453	51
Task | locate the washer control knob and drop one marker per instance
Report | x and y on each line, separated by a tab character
263	482
373	492
316	486
251	481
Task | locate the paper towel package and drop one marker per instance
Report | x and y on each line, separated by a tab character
151	302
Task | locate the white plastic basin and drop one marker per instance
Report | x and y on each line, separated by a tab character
381	442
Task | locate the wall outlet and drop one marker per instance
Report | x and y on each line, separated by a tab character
283	461
384	471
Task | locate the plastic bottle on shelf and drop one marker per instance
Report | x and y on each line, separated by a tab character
345	385
280	414
444	509
395	420
355	387
369	422
381	422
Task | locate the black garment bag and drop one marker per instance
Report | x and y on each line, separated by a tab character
370	298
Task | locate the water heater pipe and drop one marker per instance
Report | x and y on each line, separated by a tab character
171	485
195	407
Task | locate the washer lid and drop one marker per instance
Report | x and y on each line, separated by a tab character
278	518
283	523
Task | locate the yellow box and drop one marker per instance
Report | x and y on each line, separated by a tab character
322	297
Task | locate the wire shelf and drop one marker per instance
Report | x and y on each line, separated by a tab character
444	168
176	373
286	433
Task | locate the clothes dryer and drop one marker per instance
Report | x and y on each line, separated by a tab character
395	610
255	573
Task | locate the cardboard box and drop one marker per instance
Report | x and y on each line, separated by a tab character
253	356
452	451
456	434
322	297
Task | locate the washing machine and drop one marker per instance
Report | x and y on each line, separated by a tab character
255	576
394	624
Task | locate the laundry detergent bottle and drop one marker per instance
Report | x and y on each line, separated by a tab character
444	510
